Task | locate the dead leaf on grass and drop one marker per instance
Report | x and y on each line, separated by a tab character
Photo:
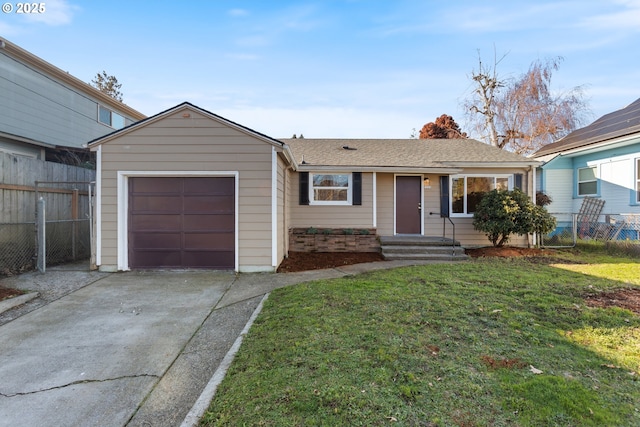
535	370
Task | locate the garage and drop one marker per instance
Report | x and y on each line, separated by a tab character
181	222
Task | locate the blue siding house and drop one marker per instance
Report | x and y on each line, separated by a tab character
600	161
45	111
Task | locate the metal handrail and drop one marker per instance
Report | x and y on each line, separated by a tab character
444	228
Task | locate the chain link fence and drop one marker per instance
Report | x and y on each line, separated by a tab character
67	241
17	248
573	228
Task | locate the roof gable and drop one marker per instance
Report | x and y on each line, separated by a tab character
184	108
623	122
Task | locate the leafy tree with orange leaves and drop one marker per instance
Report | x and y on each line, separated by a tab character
445	127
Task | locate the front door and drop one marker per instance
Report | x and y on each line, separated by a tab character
408	204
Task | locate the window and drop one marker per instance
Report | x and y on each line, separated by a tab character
638	180
467	191
587	182
330	189
110	118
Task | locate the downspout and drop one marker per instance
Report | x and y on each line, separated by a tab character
533	197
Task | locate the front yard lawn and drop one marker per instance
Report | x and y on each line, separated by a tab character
489	342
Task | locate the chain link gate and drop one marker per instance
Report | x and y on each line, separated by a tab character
64	222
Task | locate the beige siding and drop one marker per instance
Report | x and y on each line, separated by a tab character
385	214
282	233
433	223
197	143
332	216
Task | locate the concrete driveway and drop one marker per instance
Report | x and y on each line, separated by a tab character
129	349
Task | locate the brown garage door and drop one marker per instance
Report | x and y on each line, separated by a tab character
179	222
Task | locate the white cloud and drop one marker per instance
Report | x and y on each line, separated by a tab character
626	20
57	12
238	12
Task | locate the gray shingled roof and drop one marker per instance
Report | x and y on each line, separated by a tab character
399	153
613	125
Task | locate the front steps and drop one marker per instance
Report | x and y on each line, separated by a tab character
412	247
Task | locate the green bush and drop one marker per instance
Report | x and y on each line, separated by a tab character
502	213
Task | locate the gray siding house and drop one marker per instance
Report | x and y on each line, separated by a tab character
45	111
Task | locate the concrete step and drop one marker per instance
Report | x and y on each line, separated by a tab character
425	256
423	249
411	240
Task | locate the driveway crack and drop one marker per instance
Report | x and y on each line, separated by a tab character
26	393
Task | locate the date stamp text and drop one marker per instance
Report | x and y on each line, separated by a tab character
24	8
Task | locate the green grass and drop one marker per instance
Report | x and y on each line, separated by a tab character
442	345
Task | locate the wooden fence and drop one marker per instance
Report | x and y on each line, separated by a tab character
66	199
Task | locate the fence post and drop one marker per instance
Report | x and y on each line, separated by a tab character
42	236
74	222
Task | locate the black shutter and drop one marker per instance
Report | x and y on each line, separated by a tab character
357	188
517	181
304	188
444	196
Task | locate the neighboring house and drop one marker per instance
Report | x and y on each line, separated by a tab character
45	112
601	160
188	188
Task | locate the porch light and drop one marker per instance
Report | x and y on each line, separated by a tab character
426	182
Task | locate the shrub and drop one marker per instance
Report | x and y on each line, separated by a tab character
502	213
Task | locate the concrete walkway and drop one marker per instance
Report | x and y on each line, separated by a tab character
132	349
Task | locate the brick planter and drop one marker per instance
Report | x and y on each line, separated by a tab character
333	240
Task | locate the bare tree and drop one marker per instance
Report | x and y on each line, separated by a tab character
108	85
532	115
483	100
445	127
523	114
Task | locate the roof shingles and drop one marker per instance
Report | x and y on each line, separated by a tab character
399	153
625	121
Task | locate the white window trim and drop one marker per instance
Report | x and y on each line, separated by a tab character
347	202
111	113
578	182
473	175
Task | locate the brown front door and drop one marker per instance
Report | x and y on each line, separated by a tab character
182	222
408	208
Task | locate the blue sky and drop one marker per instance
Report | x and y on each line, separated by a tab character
333	69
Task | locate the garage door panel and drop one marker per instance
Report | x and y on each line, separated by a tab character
159	222
143	203
209	185
211	223
212	259
209	203
220	241
182	222
157	241
152	184
154	258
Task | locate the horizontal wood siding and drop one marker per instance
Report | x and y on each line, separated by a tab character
616	185
39	107
333	216
558	184
282	217
169	145
385	214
